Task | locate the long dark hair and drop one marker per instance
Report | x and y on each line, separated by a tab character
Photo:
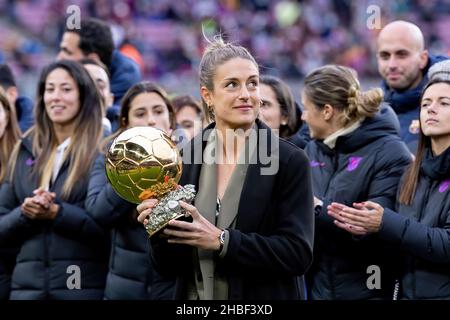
133	92
10	136
182	101
88	128
412	174
289	109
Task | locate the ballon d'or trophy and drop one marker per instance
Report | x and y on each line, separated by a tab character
144	163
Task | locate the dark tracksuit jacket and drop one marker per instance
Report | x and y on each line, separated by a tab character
365	165
422	232
131	274
50	250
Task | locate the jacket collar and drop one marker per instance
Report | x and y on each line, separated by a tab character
436	167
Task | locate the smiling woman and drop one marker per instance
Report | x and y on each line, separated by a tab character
41	202
249	235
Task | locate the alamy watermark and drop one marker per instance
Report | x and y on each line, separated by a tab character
74	280
374	280
374	19
73	21
255	146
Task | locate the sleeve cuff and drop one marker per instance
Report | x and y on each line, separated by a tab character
392	226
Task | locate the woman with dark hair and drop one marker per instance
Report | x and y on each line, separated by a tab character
9	134
41	201
352	160
279	110
420	227
188	114
131	275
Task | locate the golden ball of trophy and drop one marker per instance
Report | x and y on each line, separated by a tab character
142	163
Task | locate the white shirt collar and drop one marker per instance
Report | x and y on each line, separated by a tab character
330	141
63	145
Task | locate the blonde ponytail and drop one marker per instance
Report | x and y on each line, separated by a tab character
362	104
339	87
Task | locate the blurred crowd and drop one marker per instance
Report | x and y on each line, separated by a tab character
289	38
338	202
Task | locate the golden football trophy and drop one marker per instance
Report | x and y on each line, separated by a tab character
143	163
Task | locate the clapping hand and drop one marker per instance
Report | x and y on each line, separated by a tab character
362	219
41	206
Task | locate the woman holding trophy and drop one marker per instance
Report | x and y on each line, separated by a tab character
249	232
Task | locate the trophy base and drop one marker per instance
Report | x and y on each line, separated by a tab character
168	208
153	227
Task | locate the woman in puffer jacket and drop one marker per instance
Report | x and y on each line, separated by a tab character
130	275
419	229
63	252
356	154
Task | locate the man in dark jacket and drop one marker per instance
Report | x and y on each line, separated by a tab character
94	40
24	105
403	63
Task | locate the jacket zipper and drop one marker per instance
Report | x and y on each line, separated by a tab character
335	167
396	289
419	218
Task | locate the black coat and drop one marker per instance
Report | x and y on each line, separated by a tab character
49	247
422	231
7	262
131	275
364	165
271	247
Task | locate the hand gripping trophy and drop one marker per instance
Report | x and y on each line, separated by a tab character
144	163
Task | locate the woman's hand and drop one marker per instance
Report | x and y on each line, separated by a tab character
199	233
363	219
44	197
145	209
40	206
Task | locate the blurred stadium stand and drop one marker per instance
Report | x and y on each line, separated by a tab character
289	38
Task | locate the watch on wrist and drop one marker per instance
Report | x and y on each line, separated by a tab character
221	240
